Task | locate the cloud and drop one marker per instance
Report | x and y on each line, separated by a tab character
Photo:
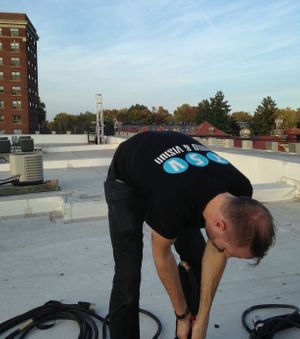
163	52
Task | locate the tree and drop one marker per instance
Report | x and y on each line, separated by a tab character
185	113
63	122
215	111
219	111
204	112
123	116
288	115
83	121
160	115
236	119
264	117
140	114
110	114
241	116
41	110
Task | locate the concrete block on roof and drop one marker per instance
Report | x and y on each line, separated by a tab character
212	141
25	207
46	205
247	144
294	148
272	146
84	210
272	192
229	143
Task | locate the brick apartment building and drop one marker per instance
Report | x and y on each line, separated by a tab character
18	74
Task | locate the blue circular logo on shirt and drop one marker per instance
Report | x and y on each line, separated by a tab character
196	159
216	158
175	165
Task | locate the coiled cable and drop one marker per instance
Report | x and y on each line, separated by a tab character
266	329
45	317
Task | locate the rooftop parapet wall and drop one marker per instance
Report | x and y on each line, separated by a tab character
263	170
64	139
55	138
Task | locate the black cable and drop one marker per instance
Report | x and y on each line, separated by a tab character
266	329
190	286
45	317
190	289
9	180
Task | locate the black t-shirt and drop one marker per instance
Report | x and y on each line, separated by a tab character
178	175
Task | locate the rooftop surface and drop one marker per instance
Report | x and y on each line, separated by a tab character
69	258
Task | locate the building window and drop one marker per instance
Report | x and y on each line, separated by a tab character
2	118
1	76
16	104
0	30
14	31
14	46
1	45
1	103
16	90
15	61
1	60
16	119
15	75
1	89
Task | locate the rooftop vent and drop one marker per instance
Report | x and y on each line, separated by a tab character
28	167
4	145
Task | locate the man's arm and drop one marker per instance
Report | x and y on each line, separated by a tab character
168	272
213	265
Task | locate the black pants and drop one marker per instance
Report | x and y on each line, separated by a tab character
126	213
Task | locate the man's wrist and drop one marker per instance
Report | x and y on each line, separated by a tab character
182	316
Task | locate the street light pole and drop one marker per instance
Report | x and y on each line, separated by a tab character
99	119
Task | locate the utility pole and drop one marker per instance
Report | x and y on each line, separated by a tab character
99	119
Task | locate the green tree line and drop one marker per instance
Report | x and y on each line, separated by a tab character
215	110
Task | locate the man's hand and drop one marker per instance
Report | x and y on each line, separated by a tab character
184	327
213	265
168	272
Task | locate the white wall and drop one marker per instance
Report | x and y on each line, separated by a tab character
55	138
263	170
66	138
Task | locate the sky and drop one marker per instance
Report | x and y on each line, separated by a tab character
164	52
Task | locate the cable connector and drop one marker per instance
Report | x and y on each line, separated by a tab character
87	306
25	324
257	322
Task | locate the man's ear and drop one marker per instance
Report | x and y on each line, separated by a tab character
220	224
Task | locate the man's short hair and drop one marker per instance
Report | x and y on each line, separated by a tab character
252	224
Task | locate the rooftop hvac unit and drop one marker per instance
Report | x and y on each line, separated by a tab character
28	167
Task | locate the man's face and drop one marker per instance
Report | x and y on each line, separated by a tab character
232	251
223	244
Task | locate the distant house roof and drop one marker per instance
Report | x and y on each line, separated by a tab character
206	129
292	131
